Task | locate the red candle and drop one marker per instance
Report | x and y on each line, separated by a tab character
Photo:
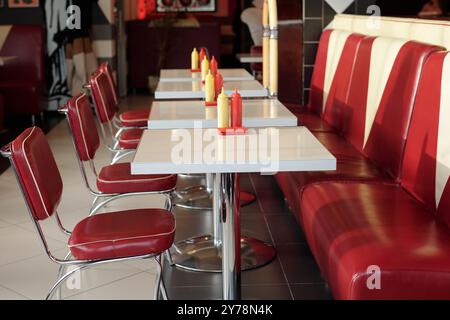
236	110
218	82
213	66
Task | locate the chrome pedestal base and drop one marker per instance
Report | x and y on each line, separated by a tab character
204	254
197	199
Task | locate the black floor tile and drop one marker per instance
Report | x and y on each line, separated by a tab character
311	291
266	292
299	264
255	226
284	229
271	274
192	223
176	277
195	293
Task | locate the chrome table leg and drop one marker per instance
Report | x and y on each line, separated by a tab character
204	253
231	245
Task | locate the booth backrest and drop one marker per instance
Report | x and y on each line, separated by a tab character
328	72
426	166
435	32
27	44
365	88
382	91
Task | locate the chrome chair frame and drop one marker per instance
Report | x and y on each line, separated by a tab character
79	265
112	142
95	207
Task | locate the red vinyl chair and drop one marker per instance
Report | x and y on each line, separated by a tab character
123	141
105	238
128	119
114	181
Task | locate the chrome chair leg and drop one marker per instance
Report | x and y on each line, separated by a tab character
158	283
61	280
120	155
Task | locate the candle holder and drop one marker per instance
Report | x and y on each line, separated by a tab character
211	104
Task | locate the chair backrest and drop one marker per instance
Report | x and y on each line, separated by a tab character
426	164
103	96
381	97
83	126
104	67
37	172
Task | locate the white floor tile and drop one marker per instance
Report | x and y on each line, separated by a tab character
18	244
137	287
14	210
6	294
34	277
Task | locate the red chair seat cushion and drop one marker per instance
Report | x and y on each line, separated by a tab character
352	226
117	178
123	234
135	118
129	139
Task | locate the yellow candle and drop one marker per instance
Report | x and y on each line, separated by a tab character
205	68
210	92
194	59
223	110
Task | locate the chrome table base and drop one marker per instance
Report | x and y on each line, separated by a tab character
202	197
197	199
204	254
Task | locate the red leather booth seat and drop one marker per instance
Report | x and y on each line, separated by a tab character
358	104
22	81
385	117
401	228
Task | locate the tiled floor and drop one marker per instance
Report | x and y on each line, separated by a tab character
27	273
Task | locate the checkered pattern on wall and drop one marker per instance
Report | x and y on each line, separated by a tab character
317	14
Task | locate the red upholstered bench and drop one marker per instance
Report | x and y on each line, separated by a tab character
2	112
358	104
403	228
22	82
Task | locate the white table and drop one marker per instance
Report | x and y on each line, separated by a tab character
192	114
249	58
195	90
205	151
4	60
185	75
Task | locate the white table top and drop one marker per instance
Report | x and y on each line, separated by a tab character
194	90
193	114
185	75
268	150
249	58
5	60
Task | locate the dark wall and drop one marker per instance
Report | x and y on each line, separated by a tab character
21	15
400	7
